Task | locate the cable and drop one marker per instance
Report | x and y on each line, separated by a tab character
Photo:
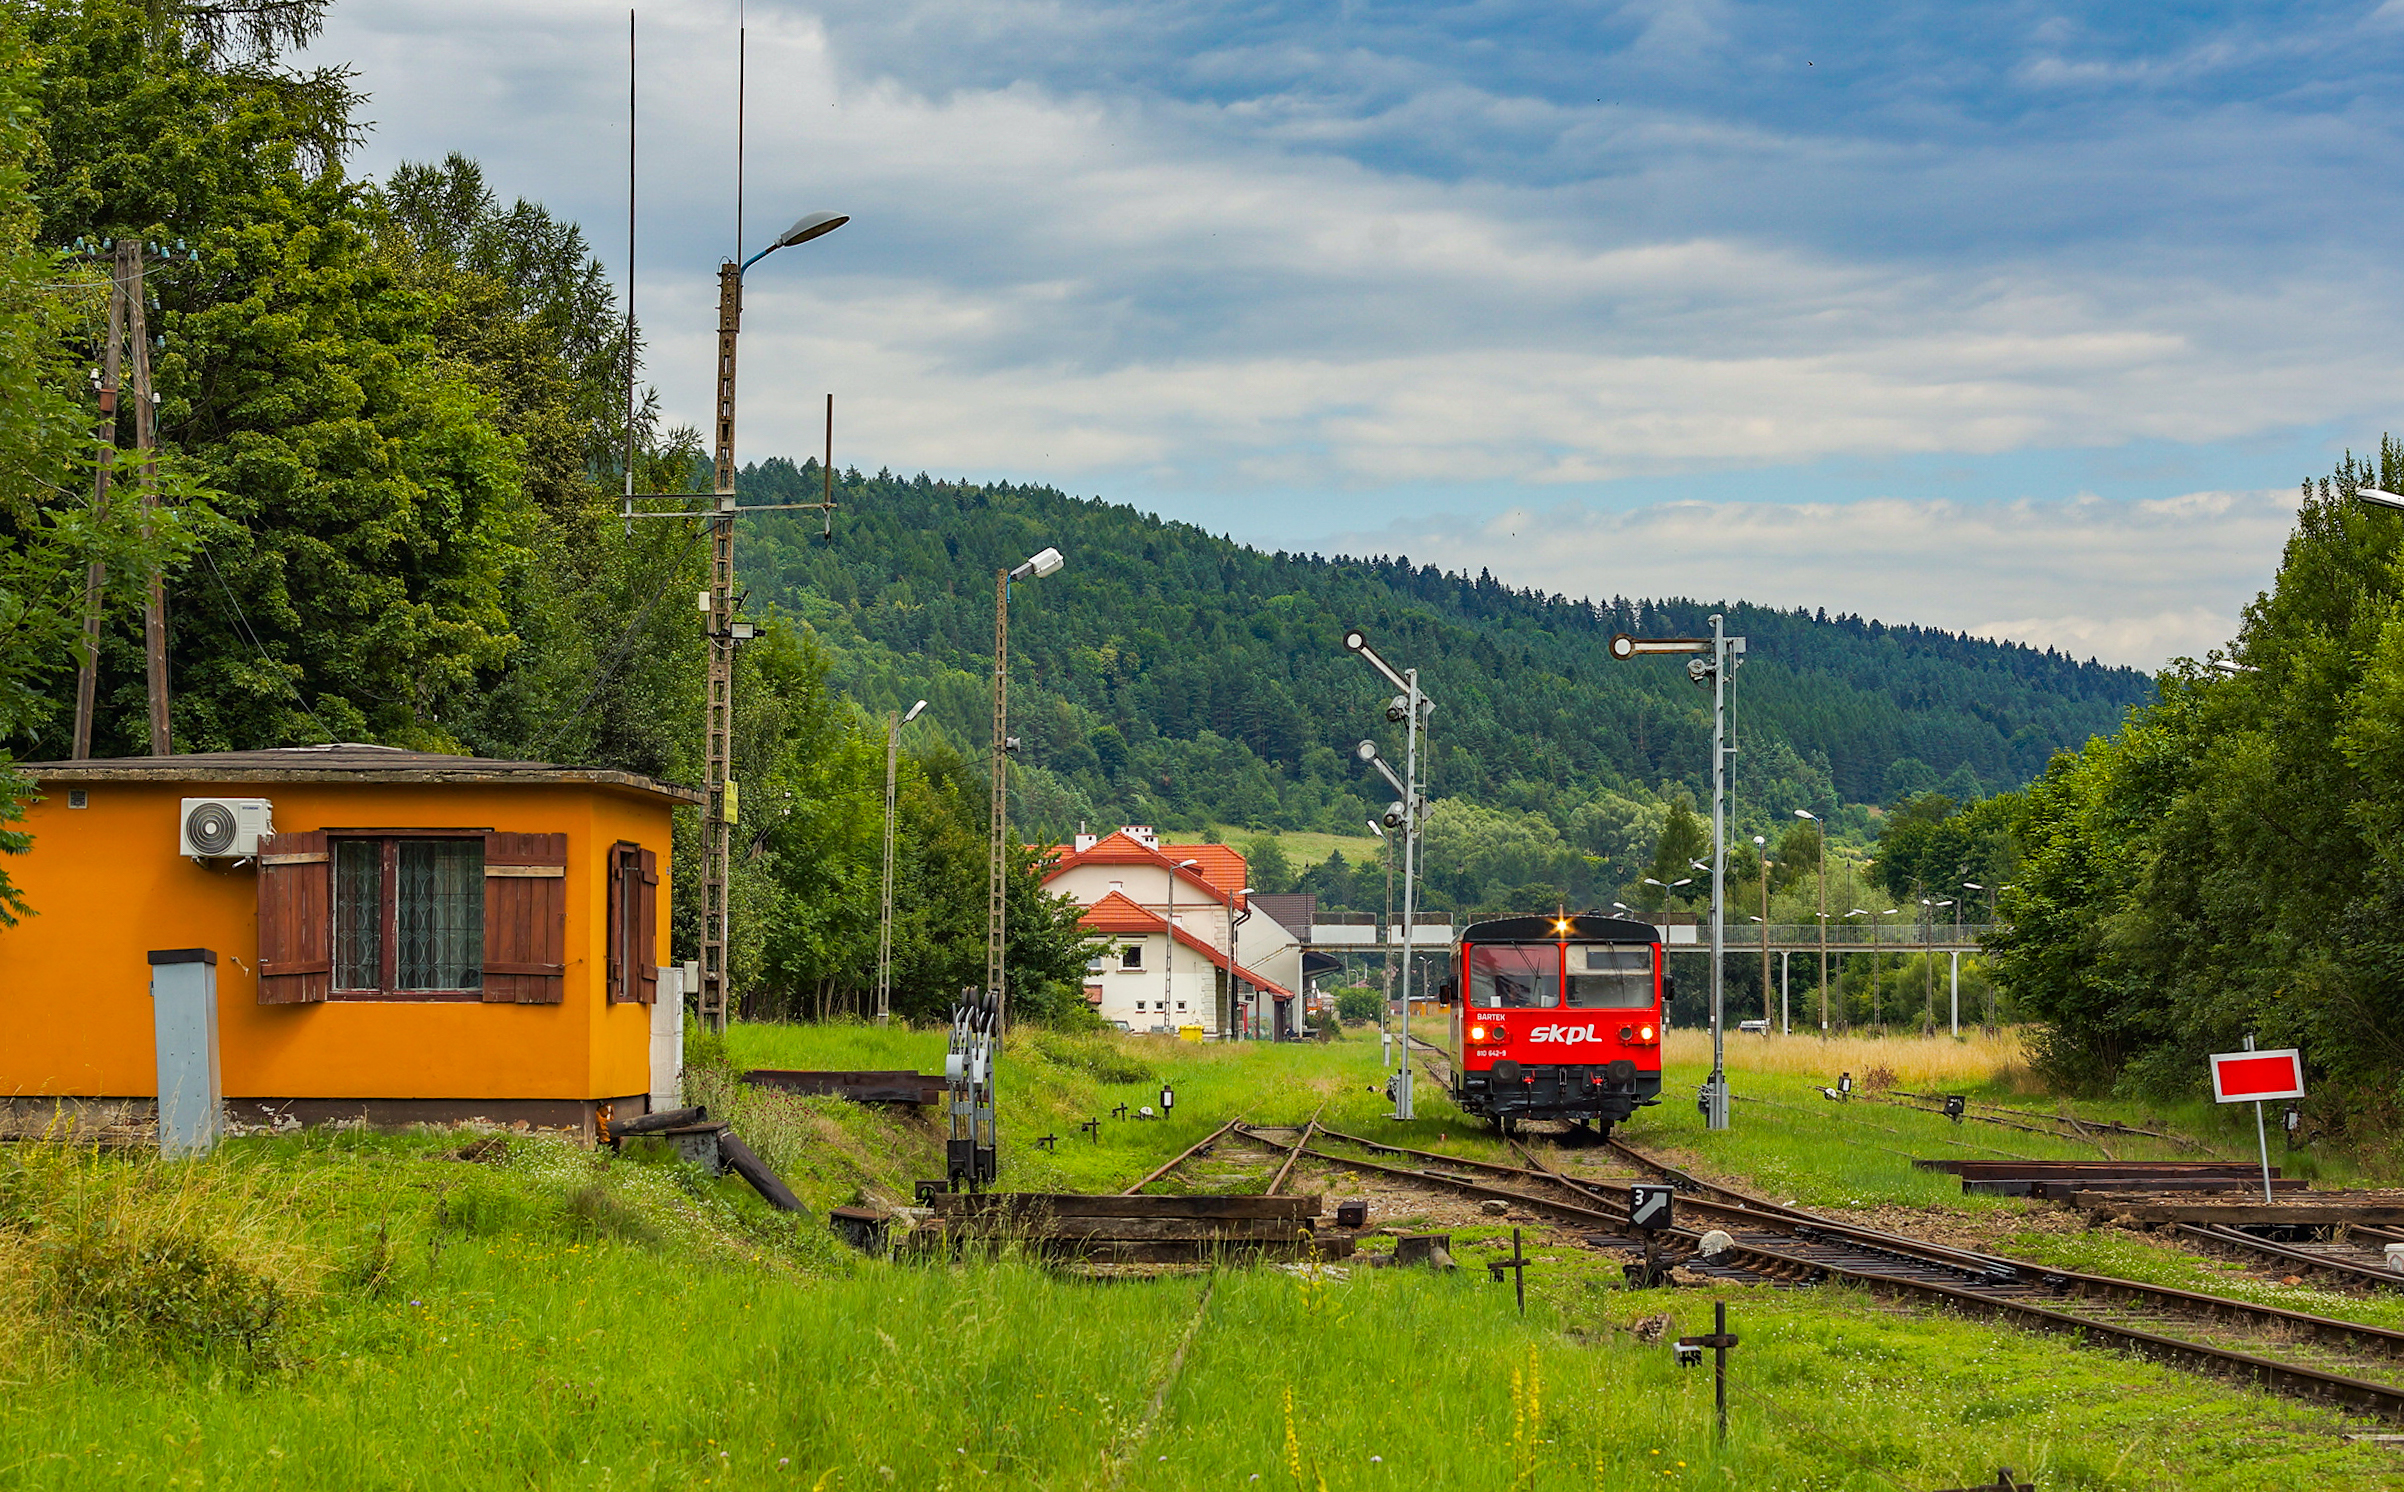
243	622
617	657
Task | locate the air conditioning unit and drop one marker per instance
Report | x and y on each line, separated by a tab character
220	828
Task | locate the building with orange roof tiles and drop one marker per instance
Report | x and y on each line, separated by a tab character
1188	950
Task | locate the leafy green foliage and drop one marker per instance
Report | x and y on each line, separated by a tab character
2227	864
1358	1004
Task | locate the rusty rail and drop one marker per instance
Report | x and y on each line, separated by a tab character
1182	1156
1295	1154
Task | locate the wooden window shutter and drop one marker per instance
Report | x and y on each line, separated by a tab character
525	919
620	935
646	930
296	919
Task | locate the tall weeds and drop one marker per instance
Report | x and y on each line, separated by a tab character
1976	1060
112	1258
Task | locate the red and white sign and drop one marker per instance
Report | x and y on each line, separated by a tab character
2248	1077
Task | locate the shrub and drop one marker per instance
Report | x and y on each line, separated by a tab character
1099	1057
162	1291
1358	1004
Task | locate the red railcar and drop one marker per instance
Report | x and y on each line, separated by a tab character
1557	1018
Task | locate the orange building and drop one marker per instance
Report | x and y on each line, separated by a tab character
401	936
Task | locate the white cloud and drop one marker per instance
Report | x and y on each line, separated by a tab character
1108	246
2135	583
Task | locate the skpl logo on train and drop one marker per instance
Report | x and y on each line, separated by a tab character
1589	1049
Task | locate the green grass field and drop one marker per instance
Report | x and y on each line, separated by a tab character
1303	848
345	1310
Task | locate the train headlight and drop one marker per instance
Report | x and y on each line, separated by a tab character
1646	1034
1477	1033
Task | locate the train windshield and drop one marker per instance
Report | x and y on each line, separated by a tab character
1611	978
1515	978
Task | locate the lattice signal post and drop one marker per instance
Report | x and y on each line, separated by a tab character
718	605
1715	671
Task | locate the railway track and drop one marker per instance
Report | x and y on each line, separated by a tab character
2289	1352
2357	1258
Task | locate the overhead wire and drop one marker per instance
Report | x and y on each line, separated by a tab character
625	644
242	622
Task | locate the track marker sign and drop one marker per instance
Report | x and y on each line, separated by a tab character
2246	1077
2256	1078
1649	1206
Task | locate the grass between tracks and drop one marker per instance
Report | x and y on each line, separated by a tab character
342	1310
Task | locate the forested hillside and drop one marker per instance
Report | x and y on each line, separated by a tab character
1170	676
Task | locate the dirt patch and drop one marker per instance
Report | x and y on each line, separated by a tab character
1420	1209
1980	1232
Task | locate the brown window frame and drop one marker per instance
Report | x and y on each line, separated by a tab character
388	910
627	956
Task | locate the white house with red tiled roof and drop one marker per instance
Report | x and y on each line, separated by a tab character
1172	910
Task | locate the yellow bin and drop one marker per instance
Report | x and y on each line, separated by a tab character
1189	1033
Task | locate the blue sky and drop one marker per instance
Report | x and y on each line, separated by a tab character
2023	319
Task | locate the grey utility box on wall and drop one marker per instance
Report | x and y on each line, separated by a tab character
183	998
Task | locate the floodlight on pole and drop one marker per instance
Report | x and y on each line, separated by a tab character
1043	562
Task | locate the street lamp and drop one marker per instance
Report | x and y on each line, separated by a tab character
884	926
1246	892
1043	562
1168	961
1666	888
1820	833
718	696
1877	1009
1761	852
2383	499
806	227
1928	960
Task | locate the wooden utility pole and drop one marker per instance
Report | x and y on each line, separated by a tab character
128	326
146	421
87	672
718	699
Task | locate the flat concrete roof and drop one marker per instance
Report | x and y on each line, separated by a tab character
345	761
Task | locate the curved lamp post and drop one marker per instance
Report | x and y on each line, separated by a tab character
1037	565
884	926
1168	960
1820	832
718	700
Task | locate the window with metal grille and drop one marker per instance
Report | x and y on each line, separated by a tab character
408	918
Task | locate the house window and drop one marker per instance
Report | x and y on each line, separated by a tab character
1139	1004
409	918
1131	956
